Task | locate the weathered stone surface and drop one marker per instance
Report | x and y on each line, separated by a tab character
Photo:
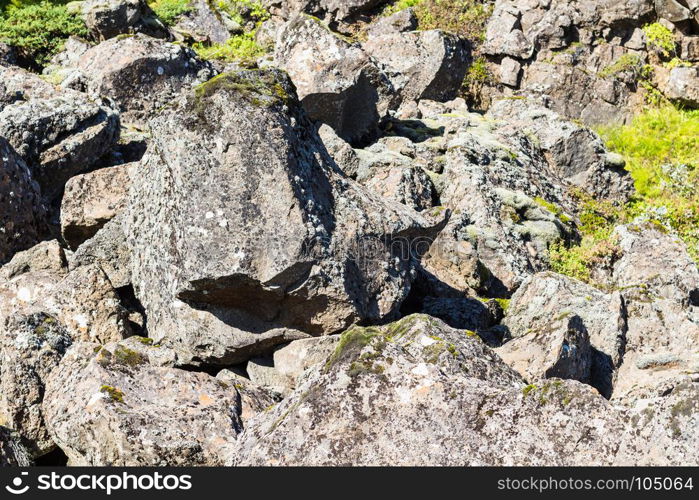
561	350
331	10
400	22
576	153
683	86
91	200
337	81
22	213
109	18
547	298
251	257
205	23
109	406
340	151
43	310
421	64
140	73
59	133
359	408
12	452
253	399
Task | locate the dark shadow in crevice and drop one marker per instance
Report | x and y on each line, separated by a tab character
55	458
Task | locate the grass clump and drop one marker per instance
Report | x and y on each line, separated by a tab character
169	10
628	63
240	48
114	394
242	11
660	38
39	29
462	17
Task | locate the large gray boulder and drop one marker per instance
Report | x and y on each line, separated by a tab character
576	153
337	82
109	406
22	213
547	298
682	86
59	133
360	407
421	64
141	74
109	18
244	235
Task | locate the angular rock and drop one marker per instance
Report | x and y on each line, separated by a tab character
91	200
12	452
421	64
547	298
22	213
253	399
400	22
109	406
683	86
561	350
140	73
341	152
109	18
236	249
337	82
360	407
576	153
204	23
59	133
330	10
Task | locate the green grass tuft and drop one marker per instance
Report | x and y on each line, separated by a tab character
169	10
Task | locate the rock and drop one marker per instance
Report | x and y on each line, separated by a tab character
683	86
400	22
576	153
561	350
464	313
330	10
359	408
547	298
394	176
337	82
140	73
204	23
22	213
659	283
8	55
12	452
43	310
253	399
421	64
91	200
510	71
689	48
664	427
341	152
109	18
672	10
109	406
275	245
59	133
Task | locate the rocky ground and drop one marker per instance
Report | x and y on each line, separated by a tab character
338	233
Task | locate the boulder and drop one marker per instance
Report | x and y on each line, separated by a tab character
22	213
12	452
547	298
399	22
421	64
341	152
360	407
91	200
682	86
203	22
43	310
337	82
141	74
109	18
241	247
59	133
331	10
559	350
108	406
253	399
576	153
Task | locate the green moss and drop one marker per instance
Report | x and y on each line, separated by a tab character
39	29
145	340
239	48
352	341
242	11
503	303
259	87
628	63
125	356
169	10
529	389
115	394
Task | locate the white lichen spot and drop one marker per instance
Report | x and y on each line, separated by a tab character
209	215
421	370
426	341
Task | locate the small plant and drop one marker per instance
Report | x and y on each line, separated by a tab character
113	393
242	11
39	30
660	38
463	17
169	10
241	48
628	63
